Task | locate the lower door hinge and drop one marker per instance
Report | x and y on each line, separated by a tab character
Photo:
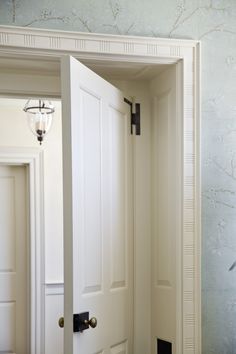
135	117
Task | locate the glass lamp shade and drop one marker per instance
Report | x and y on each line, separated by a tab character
39	117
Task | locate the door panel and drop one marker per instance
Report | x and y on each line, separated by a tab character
13	261
118	203
120	348
91	203
98	211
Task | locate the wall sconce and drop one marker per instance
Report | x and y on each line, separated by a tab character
39	116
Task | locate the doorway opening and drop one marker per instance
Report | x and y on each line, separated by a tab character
34	73
157	149
157	198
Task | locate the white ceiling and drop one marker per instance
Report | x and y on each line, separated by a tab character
126	71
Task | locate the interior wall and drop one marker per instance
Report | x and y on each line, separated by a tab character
15	132
212	22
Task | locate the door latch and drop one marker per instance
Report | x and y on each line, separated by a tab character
82	322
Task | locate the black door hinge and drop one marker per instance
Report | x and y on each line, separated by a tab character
135	117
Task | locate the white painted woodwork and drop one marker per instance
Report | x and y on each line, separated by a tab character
166	171
98	211
14	300
54	298
11	84
33	46
142	215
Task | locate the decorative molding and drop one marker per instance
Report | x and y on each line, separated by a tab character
175	51
54	289
189	158
4	38
189	250
152	49
39	43
129	47
29	40
55	42
79	44
33	159
105	46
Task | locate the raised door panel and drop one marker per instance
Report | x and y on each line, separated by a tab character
118	200
91	198
120	348
7	327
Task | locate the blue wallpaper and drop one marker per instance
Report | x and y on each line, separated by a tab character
214	23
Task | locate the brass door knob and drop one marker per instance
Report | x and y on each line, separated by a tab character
92	322
61	322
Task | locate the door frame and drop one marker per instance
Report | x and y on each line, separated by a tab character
40	44
33	160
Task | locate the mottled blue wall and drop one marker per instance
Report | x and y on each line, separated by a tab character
214	23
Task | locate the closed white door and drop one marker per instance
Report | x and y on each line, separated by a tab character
98	212
13	261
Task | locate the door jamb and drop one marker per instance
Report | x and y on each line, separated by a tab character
29	43
33	160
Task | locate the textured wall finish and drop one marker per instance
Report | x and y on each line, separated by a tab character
214	23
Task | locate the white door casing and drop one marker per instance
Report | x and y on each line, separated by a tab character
98	219
45	44
33	161
14	310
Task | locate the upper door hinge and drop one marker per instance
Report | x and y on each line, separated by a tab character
135	117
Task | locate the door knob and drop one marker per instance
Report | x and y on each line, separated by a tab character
61	322
92	322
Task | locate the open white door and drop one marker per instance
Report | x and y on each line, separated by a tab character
98	212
